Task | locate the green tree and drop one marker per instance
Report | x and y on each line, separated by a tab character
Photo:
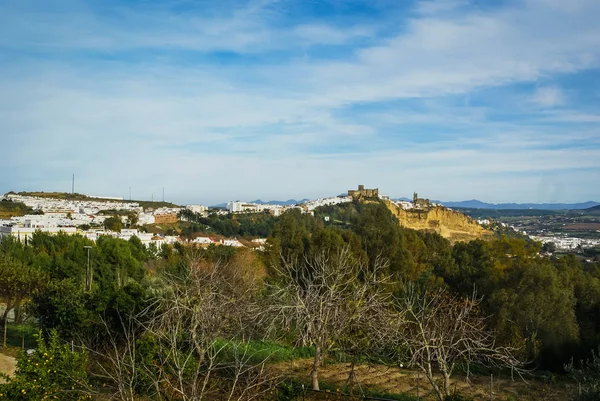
533	303
382	237
17	283
62	306
53	371
113	224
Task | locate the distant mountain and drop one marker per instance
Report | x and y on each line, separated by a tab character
593	210
476	204
468	204
261	202
281	203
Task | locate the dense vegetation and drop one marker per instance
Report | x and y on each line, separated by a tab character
178	323
9	209
229	225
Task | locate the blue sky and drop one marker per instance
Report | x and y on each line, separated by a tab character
278	99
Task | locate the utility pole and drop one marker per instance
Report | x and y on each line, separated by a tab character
88	271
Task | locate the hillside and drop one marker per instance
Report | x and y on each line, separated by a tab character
82	197
12	209
454	226
593	210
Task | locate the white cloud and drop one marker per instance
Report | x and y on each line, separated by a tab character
273	129
434	7
548	97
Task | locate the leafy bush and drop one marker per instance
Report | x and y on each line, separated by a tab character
289	391
53	371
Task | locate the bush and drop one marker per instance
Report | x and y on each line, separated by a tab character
52	371
289	391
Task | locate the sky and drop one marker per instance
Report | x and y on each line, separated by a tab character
277	99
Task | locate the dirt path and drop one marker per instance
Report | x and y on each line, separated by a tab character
7	365
395	380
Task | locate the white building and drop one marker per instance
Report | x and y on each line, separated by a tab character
145	218
247	207
198	209
203	241
234	206
23	233
334	200
232	242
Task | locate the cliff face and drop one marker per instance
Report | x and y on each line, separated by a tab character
449	224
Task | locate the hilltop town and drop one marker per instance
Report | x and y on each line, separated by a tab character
87	216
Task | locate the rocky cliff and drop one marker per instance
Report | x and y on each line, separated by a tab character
449	224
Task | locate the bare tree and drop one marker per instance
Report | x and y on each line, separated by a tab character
197	325
440	330
118	362
325	296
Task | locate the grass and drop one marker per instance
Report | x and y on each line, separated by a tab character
296	390
256	352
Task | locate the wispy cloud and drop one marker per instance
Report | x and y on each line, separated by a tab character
548	97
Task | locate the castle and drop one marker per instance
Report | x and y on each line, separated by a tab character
421	203
361	192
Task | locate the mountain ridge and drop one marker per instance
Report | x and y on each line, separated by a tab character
271	202
473	204
477	204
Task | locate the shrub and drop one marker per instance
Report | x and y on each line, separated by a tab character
53	371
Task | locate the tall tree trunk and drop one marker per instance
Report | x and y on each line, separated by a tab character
5	321
18	311
314	374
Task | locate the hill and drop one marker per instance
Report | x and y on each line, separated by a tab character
476	204
450	224
288	202
10	209
593	210
82	197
